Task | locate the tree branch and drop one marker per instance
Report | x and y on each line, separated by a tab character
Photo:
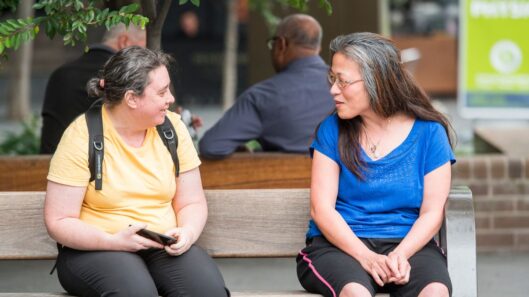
149	9
154	33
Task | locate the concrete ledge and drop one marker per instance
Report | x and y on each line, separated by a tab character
510	141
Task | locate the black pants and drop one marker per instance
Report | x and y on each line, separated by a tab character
143	274
325	269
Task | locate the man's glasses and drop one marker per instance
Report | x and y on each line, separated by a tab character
270	42
342	84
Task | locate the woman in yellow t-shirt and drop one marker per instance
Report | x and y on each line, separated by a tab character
100	252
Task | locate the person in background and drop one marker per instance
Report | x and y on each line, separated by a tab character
381	174
66	98
281	112
100	250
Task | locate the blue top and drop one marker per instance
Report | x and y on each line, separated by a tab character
386	204
281	112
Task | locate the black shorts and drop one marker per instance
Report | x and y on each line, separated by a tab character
325	269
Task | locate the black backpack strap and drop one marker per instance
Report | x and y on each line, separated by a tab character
96	144
170	139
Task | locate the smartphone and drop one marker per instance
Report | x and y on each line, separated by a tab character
158	237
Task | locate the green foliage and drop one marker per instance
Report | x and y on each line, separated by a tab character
303	4
8	4
24	143
326	4
67	18
267	7
253	146
71	18
195	2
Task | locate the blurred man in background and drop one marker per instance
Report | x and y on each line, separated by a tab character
282	112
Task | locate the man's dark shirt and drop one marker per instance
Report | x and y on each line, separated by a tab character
66	96
281	112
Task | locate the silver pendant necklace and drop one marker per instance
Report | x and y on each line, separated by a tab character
372	146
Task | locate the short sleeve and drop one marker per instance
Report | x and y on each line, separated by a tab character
326	140
187	154
69	164
439	150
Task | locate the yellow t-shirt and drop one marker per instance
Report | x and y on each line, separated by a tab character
138	183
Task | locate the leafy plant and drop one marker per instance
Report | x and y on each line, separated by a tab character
71	18
68	18
25	142
266	8
8	4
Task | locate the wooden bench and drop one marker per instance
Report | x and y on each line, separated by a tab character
239	171
244	223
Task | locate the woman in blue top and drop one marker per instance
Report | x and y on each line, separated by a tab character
380	179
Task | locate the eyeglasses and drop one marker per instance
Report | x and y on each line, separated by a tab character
342	84
270	42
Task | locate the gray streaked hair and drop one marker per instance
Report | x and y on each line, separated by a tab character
302	30
127	70
377	57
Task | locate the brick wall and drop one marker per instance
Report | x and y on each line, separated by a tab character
500	186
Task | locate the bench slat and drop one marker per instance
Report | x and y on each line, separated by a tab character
241	223
257	171
22	228
24	173
256	223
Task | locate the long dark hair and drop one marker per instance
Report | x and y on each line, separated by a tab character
390	87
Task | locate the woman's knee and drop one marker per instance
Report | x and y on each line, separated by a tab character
435	290
118	289
128	287
104	274
212	287
205	281
194	273
354	290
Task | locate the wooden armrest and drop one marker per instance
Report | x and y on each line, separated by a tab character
458	239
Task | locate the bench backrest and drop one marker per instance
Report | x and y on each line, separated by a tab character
240	171
241	223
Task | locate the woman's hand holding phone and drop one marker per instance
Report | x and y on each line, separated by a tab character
128	240
185	239
158	237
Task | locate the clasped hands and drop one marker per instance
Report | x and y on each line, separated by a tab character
393	268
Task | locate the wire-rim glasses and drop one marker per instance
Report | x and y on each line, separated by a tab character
342	84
